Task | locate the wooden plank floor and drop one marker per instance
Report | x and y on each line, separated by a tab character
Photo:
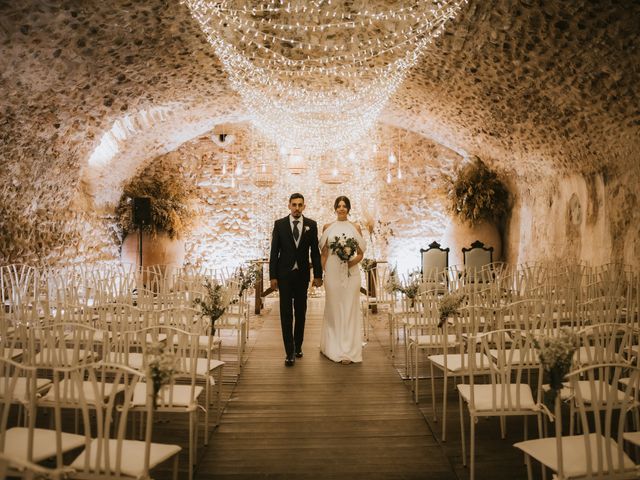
319	419
324	420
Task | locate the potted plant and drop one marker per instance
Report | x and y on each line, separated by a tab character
172	216
477	201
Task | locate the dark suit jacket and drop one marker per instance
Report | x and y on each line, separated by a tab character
284	253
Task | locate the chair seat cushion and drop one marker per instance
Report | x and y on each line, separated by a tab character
64	357
44	443
66	390
435	340
593	354
575	453
203	366
633	437
203	341
132	462
602	390
130	359
459	362
12	353
498	397
20	388
516	357
173	396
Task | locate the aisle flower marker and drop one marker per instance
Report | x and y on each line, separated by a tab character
556	356
247	278
161	362
449	305
367	264
215	302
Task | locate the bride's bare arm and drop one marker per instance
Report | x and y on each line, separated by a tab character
324	253
360	254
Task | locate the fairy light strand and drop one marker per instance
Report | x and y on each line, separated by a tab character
314	75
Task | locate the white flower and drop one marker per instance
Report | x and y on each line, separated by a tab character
347	250
306	229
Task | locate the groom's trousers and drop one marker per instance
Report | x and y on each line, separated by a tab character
293	304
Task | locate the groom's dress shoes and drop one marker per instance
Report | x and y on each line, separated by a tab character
299	354
290	361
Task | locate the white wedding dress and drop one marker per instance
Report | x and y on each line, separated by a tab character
341	337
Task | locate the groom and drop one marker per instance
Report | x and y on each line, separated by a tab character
294	239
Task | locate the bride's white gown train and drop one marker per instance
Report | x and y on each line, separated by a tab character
341	336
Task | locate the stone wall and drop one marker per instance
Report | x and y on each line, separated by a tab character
235	217
94	91
590	219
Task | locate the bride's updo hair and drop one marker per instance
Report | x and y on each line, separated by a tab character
344	199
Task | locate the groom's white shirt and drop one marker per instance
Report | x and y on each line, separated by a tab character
300	229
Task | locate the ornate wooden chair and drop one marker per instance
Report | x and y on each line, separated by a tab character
435	262
475	259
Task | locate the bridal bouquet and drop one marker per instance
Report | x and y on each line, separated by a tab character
344	247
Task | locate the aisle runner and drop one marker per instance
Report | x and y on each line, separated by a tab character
319	419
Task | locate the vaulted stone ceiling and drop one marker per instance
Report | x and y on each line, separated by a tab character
536	88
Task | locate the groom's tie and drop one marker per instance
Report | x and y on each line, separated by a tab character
296	231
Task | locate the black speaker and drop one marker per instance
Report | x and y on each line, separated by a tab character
142	211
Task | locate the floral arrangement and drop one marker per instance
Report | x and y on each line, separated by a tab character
344	247
413	284
476	194
410	288
367	264
215	302
172	201
448	305
247	277
161	363
393	283
556	356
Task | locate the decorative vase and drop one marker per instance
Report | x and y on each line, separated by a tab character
156	250
459	234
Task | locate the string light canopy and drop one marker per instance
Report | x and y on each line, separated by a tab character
315	74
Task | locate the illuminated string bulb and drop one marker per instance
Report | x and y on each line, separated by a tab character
304	91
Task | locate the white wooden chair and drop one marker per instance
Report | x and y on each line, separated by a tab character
27	470
26	444
455	362
424	334
181	393
599	451
234	320
107	453
507	394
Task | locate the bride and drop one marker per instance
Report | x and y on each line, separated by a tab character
341	337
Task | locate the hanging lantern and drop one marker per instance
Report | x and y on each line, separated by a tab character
295	161
334	174
263	176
